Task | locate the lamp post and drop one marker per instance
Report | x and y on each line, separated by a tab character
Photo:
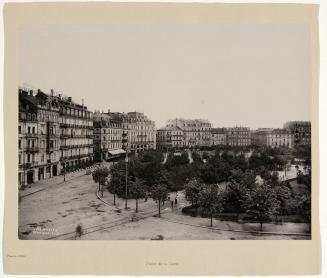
124	143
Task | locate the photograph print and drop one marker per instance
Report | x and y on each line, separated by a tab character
164	132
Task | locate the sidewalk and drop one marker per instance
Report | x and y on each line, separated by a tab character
44	184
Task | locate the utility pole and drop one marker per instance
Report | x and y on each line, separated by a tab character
124	143
23	149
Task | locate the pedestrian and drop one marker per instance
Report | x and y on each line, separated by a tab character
79	231
172	204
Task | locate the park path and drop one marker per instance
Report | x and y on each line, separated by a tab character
165	158
190	158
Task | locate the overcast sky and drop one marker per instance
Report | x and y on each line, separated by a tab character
255	75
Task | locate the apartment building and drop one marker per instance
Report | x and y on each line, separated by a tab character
38	137
238	136
301	131
197	132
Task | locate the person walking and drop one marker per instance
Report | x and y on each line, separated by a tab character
79	231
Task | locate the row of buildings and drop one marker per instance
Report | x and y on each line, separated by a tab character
57	135
189	133
110	127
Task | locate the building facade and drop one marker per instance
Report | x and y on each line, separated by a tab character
274	138
107	136
238	136
218	136
76	134
140	130
197	132
38	137
259	136
301	131
280	138
170	138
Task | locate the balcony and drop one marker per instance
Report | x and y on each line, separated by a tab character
31	149
28	165
31	135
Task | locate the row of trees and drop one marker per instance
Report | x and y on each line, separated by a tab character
243	194
137	188
148	176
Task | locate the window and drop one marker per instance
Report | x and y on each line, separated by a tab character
33	130
19	130
28	158
19	144
29	130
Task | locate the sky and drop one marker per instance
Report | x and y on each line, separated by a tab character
255	75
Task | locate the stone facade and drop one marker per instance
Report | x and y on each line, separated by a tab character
170	137
107	136
197	132
238	136
76	134
218	136
274	138
140	130
301	131
38	137
55	135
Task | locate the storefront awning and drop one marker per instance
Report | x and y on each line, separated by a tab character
117	152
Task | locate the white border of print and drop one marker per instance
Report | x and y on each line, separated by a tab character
322	115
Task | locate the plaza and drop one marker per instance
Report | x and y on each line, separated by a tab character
52	209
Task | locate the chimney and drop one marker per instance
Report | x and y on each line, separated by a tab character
31	93
51	93
70	99
59	96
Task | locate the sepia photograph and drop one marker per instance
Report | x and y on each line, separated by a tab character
164	131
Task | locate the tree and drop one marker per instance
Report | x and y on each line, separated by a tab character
100	175
192	191
116	182
137	190
159	193
304	207
283	194
235	195
211	200
262	202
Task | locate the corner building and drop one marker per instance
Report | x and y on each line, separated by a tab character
38	137
140	130
107	136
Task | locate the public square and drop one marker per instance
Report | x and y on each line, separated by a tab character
53	208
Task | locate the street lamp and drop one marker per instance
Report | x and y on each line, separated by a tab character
124	143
